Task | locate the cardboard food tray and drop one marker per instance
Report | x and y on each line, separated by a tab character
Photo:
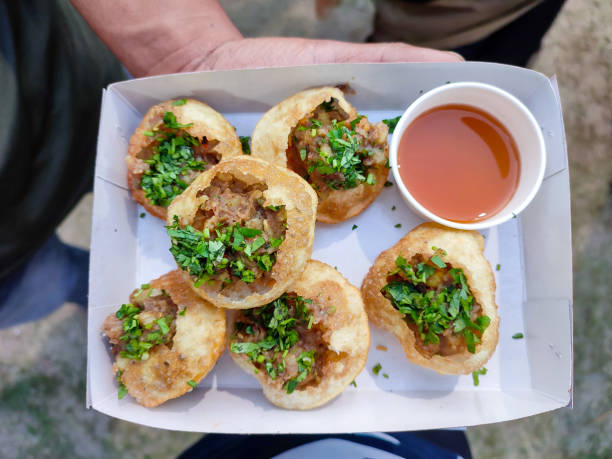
534	282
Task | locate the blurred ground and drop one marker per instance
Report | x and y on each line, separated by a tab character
42	365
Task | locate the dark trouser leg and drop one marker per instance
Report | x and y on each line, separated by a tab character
56	274
440	444
515	43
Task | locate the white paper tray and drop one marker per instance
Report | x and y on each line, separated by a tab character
534	284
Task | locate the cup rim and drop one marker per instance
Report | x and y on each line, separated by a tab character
496	219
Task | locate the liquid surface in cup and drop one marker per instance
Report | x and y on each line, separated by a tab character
459	162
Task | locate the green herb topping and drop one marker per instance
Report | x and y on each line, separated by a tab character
475	374
271	335
139	338
376	369
344	158
392	123
388	184
434	297
518	336
246	146
192	383
241	252
335	152
122	391
173	161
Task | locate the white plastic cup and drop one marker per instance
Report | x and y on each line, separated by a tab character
516	118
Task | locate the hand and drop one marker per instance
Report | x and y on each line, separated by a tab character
154	37
277	52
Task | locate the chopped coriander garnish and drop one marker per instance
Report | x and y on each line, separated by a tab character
204	255
140	338
388	184
122	391
353	383
276	242
356	121
172	160
497	267
354	227
376	369
305	362
434	308
337	156
179	102
142	215
171	122
246	146
392	123
475	374
163	326
182	311
398	225
192	383
278	320
385	375
518	336
437	249
393	207
437	260
148	133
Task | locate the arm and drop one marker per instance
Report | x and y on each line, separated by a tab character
156	36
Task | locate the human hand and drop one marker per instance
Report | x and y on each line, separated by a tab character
195	35
277	52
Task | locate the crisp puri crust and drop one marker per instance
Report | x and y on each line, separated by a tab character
348	335
198	343
464	250
207	122
285	188
270	142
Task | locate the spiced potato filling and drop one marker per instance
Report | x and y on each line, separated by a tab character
234	238
437	305
286	339
147	321
172	160
332	152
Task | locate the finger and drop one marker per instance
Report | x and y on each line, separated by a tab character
328	51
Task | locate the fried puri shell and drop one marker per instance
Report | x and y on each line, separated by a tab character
284	188
270	142
207	122
464	250
347	336
197	345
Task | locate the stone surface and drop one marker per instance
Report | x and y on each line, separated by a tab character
42	364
